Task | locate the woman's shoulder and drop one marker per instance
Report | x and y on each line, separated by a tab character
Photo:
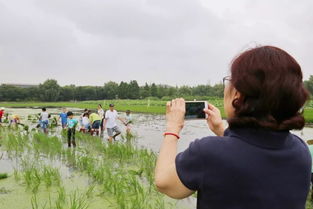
211	144
299	142
211	140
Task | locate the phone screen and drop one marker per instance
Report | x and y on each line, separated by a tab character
194	110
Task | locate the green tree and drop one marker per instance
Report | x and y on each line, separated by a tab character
172	91
67	93
134	90
218	90
202	90
49	90
100	94
86	93
123	90
32	94
154	90
145	91
110	90
184	91
162	90
12	93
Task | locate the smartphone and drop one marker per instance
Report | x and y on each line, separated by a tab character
194	109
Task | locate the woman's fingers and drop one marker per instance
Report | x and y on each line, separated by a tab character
212	107
209	112
168	107
182	104
175	112
178	104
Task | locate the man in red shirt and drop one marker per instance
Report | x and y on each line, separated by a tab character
1	114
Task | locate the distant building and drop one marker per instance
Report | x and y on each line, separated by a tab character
21	85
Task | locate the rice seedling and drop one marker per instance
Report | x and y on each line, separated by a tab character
53	122
16	174
90	190
34	202
51	146
77	201
50	176
61	195
69	157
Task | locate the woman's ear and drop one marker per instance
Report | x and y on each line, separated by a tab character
236	94
236	97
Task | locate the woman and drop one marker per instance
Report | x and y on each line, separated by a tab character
256	163
101	113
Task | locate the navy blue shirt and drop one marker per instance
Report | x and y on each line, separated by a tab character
247	169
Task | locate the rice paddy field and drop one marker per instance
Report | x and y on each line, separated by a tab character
38	171
48	175
137	106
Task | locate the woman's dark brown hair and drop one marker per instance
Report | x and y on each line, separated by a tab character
272	93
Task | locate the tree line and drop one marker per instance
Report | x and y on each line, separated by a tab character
51	91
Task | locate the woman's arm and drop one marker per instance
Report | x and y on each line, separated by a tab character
166	178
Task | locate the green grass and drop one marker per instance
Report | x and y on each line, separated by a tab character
308	115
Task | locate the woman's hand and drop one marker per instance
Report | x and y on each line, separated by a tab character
175	115
214	120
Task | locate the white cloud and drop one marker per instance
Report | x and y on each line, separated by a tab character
173	42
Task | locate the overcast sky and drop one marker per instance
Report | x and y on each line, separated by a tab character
176	42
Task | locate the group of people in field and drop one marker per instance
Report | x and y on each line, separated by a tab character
93	122
13	119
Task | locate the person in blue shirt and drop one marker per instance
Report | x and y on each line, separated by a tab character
63	117
71	126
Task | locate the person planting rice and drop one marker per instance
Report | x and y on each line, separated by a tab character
1	114
128	122
44	120
95	121
101	114
15	120
110	123
71	127
63	118
81	116
85	124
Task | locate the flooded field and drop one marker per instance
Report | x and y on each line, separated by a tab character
148	128
44	173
